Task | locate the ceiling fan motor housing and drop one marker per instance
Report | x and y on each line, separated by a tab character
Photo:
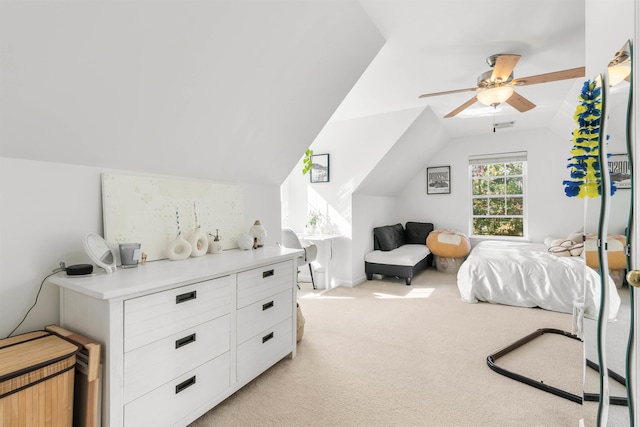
485	82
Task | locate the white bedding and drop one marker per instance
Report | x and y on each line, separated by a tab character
527	275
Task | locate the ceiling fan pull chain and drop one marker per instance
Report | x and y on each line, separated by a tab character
494	118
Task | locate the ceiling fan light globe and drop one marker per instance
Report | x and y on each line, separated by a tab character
495	96
618	72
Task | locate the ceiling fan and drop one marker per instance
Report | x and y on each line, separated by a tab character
496	86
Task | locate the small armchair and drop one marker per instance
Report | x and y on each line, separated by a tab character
290	240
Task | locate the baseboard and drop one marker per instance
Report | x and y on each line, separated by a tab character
359	280
350	283
302	277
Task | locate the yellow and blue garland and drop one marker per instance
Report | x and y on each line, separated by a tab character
584	166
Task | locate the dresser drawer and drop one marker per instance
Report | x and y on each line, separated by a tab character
152	317
260	352
148	367
263	314
260	283
171	402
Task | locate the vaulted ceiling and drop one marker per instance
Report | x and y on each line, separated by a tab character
222	90
441	45
236	90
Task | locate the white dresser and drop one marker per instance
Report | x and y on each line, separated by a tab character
181	336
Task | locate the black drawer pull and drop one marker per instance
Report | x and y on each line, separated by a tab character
267	337
267	305
266	274
185	384
185	297
186	340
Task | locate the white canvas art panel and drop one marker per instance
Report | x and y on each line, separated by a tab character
153	210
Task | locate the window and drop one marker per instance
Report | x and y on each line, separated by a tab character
498	195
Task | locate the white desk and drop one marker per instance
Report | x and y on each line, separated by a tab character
325	255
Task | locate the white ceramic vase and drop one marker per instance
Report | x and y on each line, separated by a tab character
199	242
245	241
178	249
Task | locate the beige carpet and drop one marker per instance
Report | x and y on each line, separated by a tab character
386	354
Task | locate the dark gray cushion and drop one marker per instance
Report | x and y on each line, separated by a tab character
417	232
399	234
385	238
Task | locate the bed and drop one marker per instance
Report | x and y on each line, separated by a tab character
527	275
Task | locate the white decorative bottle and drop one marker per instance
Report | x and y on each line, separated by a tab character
215	244
178	248
198	239
199	242
257	231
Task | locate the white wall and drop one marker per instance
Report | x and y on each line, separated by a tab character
47	208
550	212
421	139
370	212
355	146
369	155
213	90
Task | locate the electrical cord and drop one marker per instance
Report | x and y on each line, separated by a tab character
57	270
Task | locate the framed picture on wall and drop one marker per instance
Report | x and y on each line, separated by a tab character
319	168
619	167
439	180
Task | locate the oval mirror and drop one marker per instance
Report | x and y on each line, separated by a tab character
606	396
100	253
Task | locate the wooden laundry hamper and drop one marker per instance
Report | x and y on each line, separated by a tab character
37	380
86	400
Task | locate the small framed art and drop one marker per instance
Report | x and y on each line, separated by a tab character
320	168
619	168
439	180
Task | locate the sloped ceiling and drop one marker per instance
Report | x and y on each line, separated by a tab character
220	90
441	45
421	140
235	90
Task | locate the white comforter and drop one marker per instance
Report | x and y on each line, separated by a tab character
527	275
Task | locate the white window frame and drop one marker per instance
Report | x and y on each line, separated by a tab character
517	156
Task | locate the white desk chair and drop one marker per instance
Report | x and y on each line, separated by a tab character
290	240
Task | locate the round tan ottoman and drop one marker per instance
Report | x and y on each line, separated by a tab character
616	257
449	248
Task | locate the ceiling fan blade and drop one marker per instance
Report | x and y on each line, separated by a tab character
520	103
502	69
467	104
426	95
571	73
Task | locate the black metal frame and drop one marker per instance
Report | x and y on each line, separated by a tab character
526	380
587	397
613	400
324	156
437	191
